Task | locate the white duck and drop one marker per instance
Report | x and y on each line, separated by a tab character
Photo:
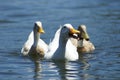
61	47
34	45
83	44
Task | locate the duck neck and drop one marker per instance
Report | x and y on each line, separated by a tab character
36	38
62	41
62	46
80	43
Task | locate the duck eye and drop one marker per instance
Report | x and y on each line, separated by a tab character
35	24
64	26
87	39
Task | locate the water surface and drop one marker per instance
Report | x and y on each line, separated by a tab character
102	18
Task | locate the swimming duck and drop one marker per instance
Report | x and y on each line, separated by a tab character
83	43
34	45
61	47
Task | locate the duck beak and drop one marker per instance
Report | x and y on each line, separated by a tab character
74	31
85	36
40	30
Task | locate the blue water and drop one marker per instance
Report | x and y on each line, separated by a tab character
102	18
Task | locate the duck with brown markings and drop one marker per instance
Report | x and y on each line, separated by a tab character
35	46
82	41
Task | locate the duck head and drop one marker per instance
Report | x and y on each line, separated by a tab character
38	27
83	33
68	31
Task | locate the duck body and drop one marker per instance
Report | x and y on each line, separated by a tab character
35	46
86	46
38	50
64	50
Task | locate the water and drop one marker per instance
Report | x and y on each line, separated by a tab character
102	18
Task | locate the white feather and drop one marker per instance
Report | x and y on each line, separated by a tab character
53	45
27	45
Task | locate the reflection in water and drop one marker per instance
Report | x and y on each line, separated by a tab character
85	75
37	70
35	58
86	65
62	69
37	66
73	70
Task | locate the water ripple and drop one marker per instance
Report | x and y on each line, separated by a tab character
101	17
6	21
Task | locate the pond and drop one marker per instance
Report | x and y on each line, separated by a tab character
102	18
